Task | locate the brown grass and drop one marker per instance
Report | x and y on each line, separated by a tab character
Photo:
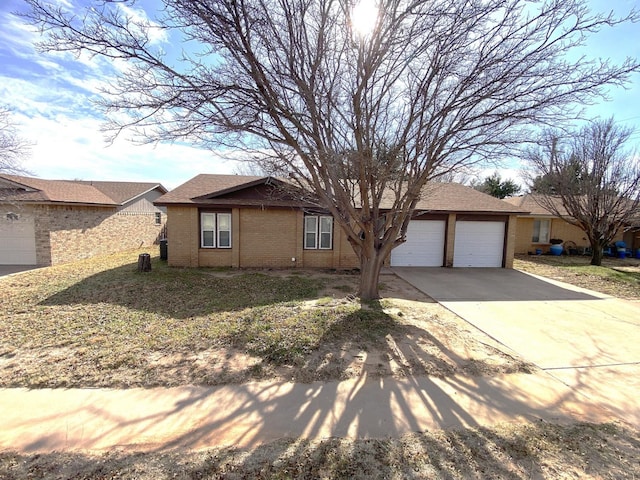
100	323
616	277
513	451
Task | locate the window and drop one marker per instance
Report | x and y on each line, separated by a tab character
215	230
541	229
158	218
318	232
224	230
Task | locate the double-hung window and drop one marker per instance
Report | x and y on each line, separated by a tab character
541	230
215	230
318	232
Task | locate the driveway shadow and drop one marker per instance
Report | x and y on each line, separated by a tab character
485	285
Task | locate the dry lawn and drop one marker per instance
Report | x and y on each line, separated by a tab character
616	277
514	451
100	323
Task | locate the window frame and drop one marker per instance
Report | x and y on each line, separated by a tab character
317	232
219	229
158	218
540	221
215	229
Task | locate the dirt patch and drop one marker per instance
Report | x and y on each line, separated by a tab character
513	451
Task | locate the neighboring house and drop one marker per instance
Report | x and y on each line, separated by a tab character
47	222
245	221
631	237
539	226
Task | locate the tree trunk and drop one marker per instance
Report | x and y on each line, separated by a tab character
144	262
596	256
369	276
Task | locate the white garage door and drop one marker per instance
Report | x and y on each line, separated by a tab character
17	239
478	244
424	246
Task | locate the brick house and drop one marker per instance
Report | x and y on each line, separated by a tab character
536	228
48	222
239	221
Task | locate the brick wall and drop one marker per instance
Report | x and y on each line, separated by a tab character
268	238
510	244
183	236
261	238
68	233
559	229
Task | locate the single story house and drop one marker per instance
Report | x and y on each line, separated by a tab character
535	229
48	222
238	221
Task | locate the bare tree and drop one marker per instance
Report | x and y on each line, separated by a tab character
13	148
356	117
590	180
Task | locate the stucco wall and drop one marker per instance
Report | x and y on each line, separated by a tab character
68	233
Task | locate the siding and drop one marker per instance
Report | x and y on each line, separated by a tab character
143	204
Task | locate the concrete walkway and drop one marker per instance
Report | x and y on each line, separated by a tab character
587	340
250	414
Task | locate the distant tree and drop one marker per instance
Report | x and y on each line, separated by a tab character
13	148
496	187
589	179
358	116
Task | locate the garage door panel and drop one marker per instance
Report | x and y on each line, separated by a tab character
424	246
479	244
17	240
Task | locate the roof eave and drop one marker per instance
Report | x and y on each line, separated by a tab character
235	188
57	203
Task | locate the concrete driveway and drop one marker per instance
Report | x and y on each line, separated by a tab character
585	339
10	269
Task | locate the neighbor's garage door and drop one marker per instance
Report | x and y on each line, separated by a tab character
17	239
478	244
424	246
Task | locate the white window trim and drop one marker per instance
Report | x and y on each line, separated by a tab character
317	233
542	242
330	232
216	230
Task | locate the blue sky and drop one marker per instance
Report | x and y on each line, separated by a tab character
51	96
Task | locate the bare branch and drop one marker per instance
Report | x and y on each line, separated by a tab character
437	86
589	179
13	148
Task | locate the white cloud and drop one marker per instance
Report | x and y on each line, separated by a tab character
75	148
139	17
